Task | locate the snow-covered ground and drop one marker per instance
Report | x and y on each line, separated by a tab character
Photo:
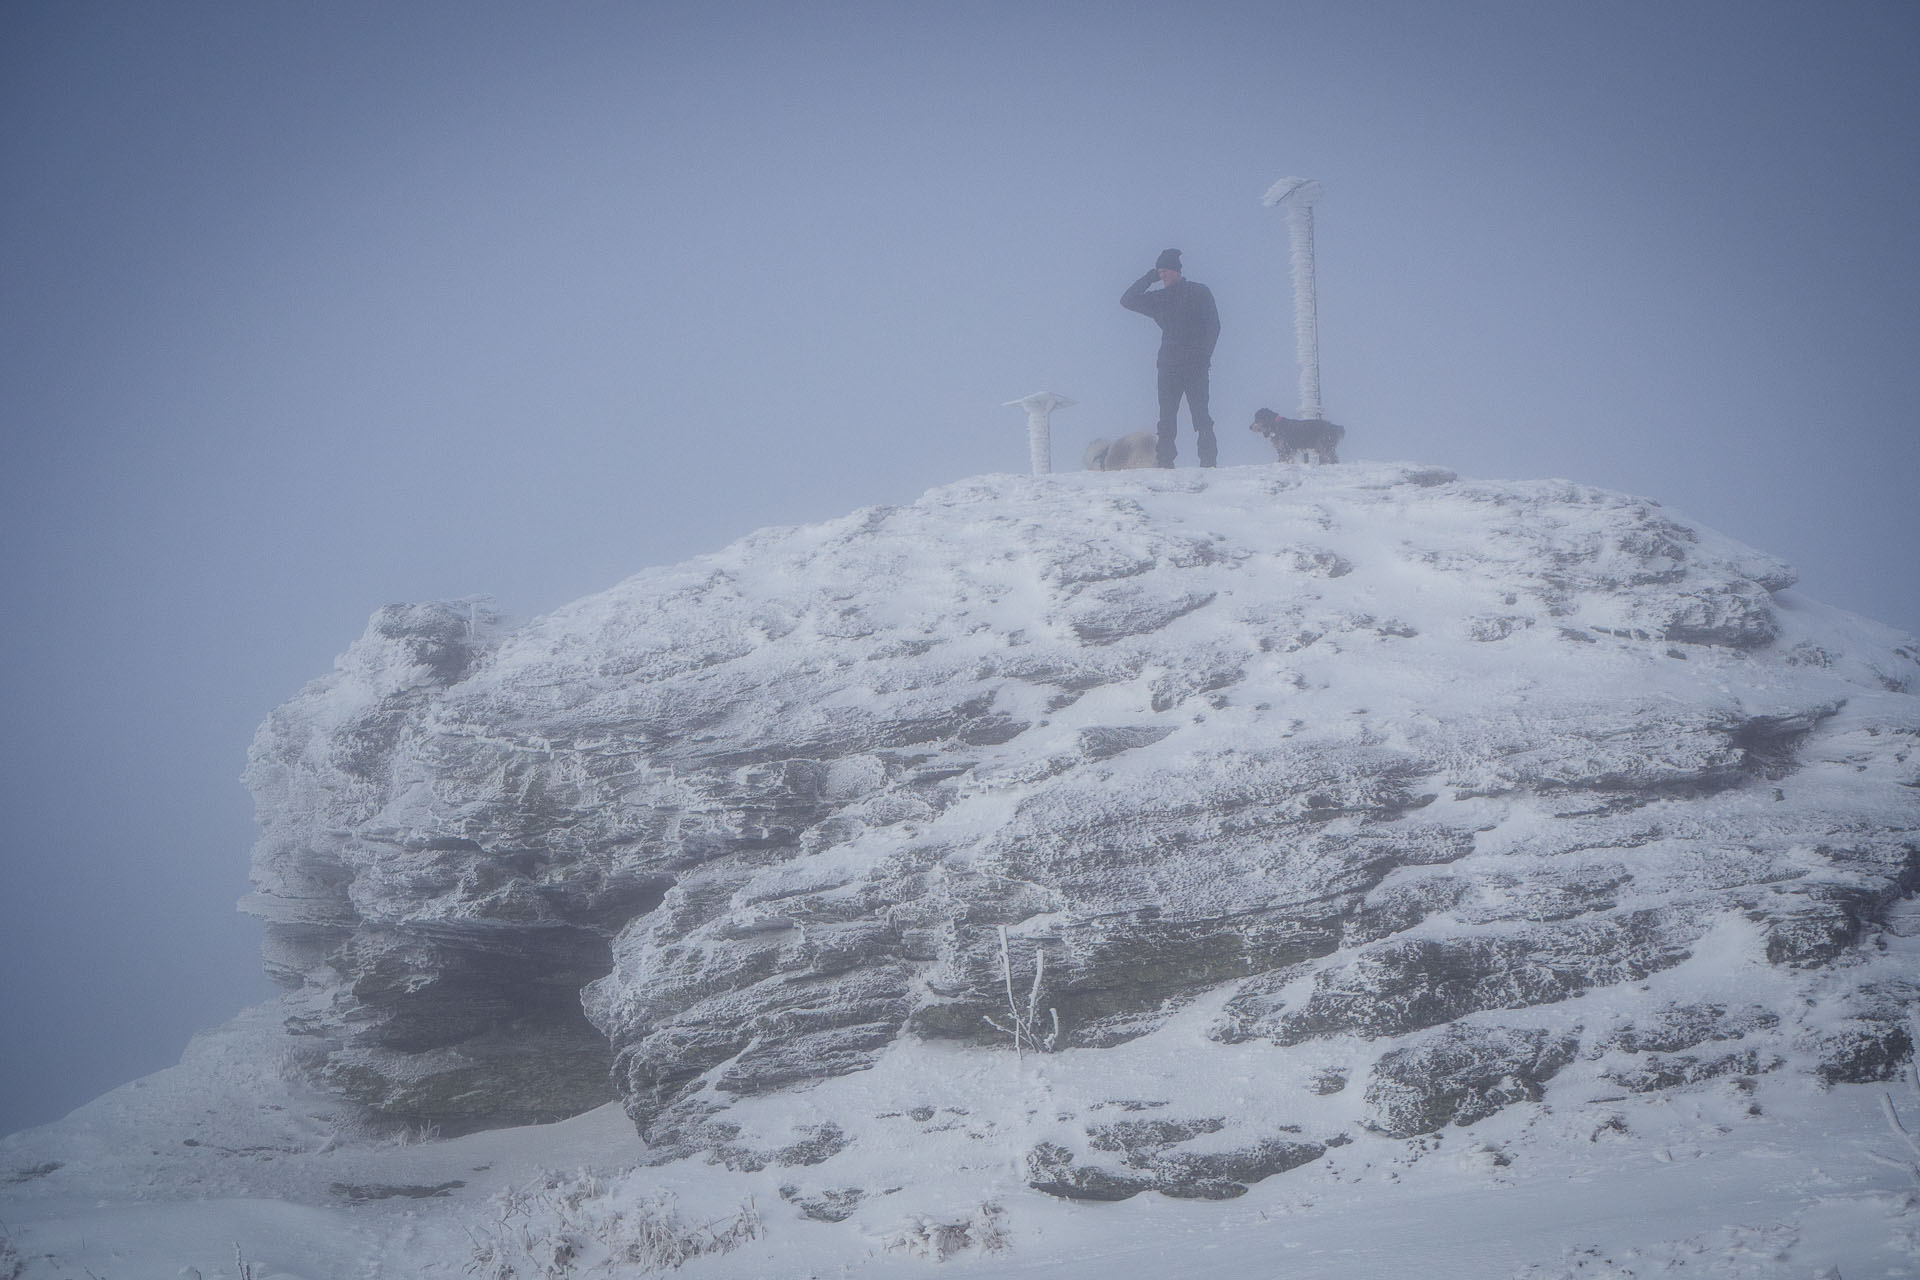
1581	621
1769	1177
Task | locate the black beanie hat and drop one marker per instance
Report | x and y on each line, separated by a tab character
1169	260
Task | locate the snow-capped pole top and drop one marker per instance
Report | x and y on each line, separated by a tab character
1041	402
1294	192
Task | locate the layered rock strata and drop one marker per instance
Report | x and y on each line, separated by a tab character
1362	763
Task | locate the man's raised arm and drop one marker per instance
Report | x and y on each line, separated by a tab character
1135	298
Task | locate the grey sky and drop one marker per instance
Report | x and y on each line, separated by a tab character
308	308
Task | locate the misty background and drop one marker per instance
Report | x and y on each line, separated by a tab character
310	308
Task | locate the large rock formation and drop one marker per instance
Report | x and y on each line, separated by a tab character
1376	769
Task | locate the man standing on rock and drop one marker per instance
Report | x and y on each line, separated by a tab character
1189	327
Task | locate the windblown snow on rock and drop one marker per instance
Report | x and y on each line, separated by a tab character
1404	792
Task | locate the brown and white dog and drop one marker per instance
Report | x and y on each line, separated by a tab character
1135	449
1292	437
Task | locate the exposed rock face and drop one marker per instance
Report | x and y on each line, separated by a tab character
1463	1074
1418	778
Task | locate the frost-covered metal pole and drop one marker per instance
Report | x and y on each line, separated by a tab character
1039	406
1298	196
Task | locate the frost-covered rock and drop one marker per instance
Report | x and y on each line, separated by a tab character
1382	775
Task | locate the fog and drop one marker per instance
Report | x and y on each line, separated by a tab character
310	308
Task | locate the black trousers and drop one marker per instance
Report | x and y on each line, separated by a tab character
1193	384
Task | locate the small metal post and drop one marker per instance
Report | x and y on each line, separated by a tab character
1039	406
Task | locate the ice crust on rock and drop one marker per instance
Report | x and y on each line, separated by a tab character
1378	773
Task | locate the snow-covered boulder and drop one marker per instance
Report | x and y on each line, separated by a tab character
1369	773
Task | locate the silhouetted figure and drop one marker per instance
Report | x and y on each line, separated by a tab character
1189	327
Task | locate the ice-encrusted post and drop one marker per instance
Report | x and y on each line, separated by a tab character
1039	406
1024	1026
1911	1160
1298	196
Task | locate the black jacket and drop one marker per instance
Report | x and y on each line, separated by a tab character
1189	322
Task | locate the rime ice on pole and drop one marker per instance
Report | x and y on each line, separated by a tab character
1298	196
1040	406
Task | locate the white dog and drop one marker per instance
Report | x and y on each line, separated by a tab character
1129	451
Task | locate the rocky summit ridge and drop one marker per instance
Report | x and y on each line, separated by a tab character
1405	795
